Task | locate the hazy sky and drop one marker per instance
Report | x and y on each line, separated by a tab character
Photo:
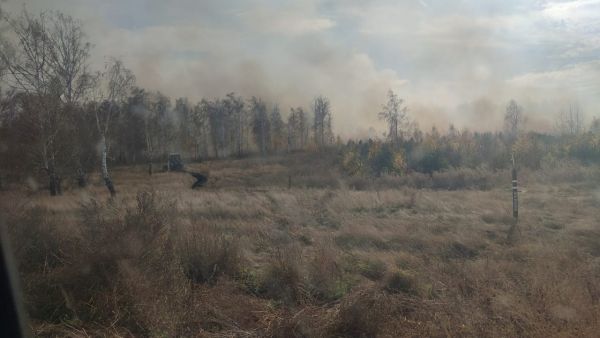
458	61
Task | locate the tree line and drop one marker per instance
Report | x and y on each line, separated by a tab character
60	119
406	148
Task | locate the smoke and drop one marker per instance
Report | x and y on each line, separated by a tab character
456	64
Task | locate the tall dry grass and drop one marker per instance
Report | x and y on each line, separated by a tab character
248	257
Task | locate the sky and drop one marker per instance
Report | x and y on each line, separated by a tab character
454	62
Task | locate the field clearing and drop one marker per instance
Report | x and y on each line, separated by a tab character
248	257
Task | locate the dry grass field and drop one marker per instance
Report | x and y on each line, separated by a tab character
332	256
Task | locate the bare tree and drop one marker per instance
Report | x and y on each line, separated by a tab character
27	61
277	129
145	108
322	120
513	119
5	47
68	56
234	105
395	116
215	116
112	87
570	120
68	60
200	127
297	129
29	69
261	124
6	54
158	126
184	116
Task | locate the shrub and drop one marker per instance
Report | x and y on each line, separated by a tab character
124	263
373	269
361	314
400	282
111	233
282	277
36	243
38	250
326	279
206	253
120	271
151	216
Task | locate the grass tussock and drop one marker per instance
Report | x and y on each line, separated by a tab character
372	268
207	253
282	276
401	282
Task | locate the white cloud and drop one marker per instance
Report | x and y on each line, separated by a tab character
582	79
286	18
572	11
286	22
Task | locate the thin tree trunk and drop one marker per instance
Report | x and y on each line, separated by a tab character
262	138
105	175
55	184
215	145
53	188
58	181
81	179
149	147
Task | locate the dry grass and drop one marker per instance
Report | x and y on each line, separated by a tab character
248	257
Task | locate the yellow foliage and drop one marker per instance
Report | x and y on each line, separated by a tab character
399	162
351	162
374	150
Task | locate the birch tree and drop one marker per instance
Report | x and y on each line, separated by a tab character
28	66
184	117
297	129
277	129
215	117
322	120
234	106
68	60
395	115
6	48
570	120
513	119
200	128
158	127
261	126
113	86
68	56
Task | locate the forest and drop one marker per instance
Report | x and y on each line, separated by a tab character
61	120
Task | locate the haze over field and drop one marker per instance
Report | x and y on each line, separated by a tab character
455	63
